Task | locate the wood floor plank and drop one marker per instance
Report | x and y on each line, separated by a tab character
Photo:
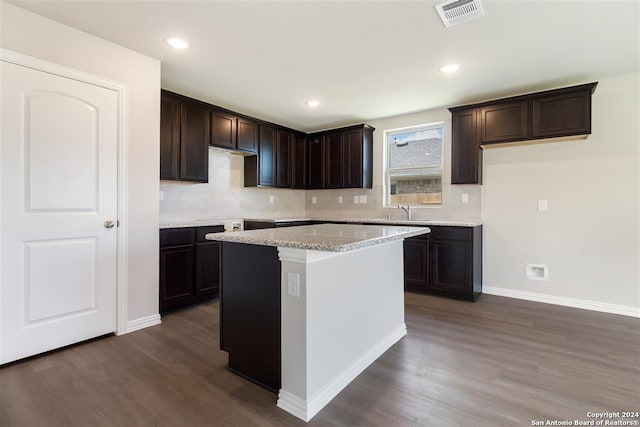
498	362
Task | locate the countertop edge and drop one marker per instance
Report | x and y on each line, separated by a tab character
237	238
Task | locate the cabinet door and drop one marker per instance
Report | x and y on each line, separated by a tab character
416	256
352	169
451	266
316	162
207	270
267	157
299	177
562	115
504	122
334	160
176	277
465	150
169	137
223	129
247	136
194	144
284	151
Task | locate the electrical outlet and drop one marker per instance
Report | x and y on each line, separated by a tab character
272	198
363	199
314	200
464	198
339	200
161	195
293	284
356	200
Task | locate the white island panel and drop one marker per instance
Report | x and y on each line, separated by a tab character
349	312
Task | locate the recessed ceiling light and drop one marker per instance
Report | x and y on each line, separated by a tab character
177	42
312	103
450	68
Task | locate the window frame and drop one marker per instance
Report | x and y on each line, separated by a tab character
386	187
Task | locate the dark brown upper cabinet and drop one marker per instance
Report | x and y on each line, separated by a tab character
300	157
247	135
333	160
504	122
223	129
284	163
549	114
267	156
170	111
316	162
347	159
184	136
358	157
465	148
234	133
562	114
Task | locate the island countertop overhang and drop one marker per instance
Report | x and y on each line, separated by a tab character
322	237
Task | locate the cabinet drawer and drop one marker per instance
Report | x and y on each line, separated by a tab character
201	232
177	236
451	233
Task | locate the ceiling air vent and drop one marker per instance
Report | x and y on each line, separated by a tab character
454	12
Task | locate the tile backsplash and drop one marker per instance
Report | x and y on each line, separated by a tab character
225	197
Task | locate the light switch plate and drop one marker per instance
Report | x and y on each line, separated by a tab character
161	195
314	200
356	200
464	198
543	206
363	199
339	200
272	198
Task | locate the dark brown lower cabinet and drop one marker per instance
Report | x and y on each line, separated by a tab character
446	262
416	263
189	267
250	312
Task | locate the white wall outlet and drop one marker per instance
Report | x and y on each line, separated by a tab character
161	195
537	271
339	200
314	200
363	199
272	198
293	284
464	198
356	200
543	206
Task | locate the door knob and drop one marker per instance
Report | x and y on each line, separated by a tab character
108	224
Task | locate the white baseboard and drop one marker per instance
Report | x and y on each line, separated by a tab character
305	410
624	310
143	322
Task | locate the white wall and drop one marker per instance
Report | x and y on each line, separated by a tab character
590	235
451	208
33	35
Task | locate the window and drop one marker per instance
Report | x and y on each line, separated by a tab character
414	165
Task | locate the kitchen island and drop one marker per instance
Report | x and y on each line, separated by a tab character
306	309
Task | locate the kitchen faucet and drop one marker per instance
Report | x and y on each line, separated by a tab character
407	209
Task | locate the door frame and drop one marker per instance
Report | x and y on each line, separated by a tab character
122	158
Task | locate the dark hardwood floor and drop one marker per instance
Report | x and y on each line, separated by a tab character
499	362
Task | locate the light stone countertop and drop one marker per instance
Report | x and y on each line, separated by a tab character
413	222
192	223
321	237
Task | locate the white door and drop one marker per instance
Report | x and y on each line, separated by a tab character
58	179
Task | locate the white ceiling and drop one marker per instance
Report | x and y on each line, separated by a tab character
362	60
